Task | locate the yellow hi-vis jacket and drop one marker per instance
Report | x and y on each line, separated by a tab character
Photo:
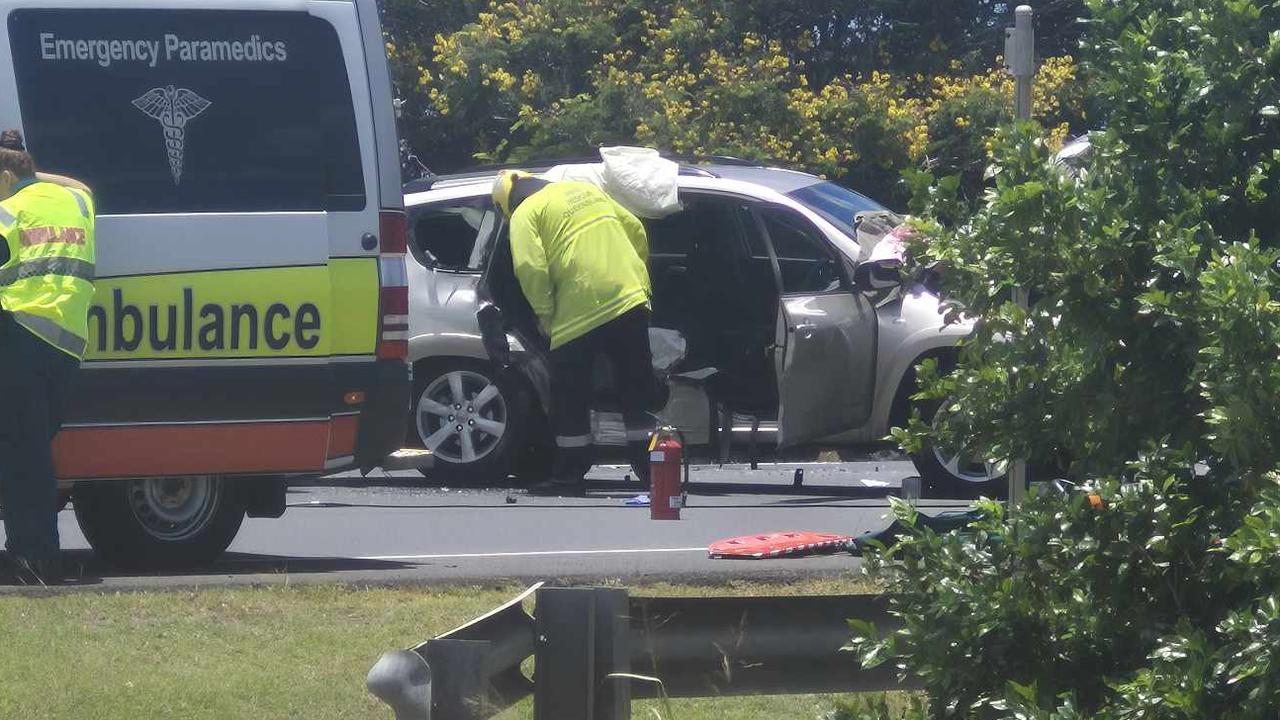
47	282
581	258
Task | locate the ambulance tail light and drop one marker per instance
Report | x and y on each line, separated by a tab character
393	298
394	232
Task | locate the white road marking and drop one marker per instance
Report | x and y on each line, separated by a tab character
532	553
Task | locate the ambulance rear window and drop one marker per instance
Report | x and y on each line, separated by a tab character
179	111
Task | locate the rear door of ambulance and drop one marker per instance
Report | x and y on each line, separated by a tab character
250	228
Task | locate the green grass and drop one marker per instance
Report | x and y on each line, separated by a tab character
269	652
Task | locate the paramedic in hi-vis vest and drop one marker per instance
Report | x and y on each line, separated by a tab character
46	285
581	259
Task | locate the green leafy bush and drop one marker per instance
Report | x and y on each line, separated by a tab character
1147	367
1110	362
1143	606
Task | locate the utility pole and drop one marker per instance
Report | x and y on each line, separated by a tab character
1020	61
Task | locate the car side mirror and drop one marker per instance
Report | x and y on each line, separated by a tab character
878	274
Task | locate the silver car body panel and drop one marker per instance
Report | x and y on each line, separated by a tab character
442	318
442	303
824	352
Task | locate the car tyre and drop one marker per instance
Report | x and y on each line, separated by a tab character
159	522
473	419
942	474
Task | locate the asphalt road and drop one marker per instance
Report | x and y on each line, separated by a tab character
391	528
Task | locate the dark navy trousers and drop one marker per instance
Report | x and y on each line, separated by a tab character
35	385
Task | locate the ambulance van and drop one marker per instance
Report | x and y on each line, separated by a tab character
251	311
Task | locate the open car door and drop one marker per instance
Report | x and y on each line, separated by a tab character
503	312
825	346
825	355
508	325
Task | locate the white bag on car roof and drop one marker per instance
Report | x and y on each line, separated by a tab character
641	180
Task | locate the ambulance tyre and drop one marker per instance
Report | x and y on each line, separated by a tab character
159	522
473	419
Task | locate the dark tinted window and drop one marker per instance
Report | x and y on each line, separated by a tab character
445	234
671	235
804	257
838	205
793	237
706	224
190	110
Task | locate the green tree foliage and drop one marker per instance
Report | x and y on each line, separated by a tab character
411	27
1153	301
1147	367
856	37
858	91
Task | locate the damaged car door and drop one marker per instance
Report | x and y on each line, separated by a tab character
825	343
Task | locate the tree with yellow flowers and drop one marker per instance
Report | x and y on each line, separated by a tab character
548	79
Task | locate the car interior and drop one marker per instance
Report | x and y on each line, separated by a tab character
707	286
444	235
714	282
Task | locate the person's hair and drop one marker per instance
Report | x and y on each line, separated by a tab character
14	156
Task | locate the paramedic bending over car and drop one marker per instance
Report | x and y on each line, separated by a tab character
46	285
581	260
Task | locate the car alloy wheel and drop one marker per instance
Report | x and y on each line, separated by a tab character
963	466
461	416
968	469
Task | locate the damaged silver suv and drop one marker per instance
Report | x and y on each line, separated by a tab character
768	317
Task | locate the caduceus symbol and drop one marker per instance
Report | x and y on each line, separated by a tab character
173	107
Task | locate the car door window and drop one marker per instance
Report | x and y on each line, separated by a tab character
672	236
805	259
445	235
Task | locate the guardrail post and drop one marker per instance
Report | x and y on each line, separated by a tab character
459	688
402	679
583	637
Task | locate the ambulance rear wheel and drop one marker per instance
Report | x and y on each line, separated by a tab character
473	420
159	522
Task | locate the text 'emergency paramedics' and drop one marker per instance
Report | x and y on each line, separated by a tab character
171	49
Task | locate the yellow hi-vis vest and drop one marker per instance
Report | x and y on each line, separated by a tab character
47	282
580	257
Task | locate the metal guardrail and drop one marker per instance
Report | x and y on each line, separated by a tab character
592	646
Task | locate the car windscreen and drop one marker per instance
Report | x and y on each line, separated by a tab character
837	205
179	111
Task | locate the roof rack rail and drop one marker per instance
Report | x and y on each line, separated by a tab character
717	159
690	165
547	162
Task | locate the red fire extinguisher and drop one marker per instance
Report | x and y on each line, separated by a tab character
666	460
